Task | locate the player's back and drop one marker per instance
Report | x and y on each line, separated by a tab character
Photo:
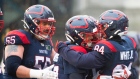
68	71
116	53
36	54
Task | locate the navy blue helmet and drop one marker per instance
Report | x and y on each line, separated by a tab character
36	14
113	22
81	30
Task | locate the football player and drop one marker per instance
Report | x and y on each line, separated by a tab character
28	52
136	36
110	54
1	27
81	31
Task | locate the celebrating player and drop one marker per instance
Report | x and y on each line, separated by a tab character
28	52
109	55
81	31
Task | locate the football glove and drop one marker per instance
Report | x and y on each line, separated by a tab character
121	72
46	73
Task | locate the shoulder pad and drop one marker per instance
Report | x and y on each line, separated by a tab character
130	39
78	48
16	37
134	42
108	44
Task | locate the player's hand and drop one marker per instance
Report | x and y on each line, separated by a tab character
48	73
60	45
121	72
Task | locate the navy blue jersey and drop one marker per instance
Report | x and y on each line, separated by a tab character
105	56
61	74
36	53
67	70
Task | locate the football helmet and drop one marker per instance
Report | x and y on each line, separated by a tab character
1	21
35	20
112	23
81	30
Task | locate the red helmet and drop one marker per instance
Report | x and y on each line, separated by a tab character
1	21
36	15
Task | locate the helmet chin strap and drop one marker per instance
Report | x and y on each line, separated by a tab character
41	37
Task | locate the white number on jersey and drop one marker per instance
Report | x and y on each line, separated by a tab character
99	49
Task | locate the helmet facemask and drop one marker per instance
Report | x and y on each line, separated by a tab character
45	28
101	31
39	20
89	39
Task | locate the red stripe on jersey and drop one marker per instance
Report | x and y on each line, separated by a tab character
108	44
79	49
21	35
134	42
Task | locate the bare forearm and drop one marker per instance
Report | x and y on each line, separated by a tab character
23	72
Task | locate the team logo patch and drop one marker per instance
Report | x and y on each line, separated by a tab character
48	47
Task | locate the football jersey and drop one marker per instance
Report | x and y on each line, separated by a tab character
36	53
66	69
105	56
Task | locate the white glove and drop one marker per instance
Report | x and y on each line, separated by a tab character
121	72
46	73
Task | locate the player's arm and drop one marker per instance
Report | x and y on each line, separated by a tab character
14	54
54	56
81	60
13	57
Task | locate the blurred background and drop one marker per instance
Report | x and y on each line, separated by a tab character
64	9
